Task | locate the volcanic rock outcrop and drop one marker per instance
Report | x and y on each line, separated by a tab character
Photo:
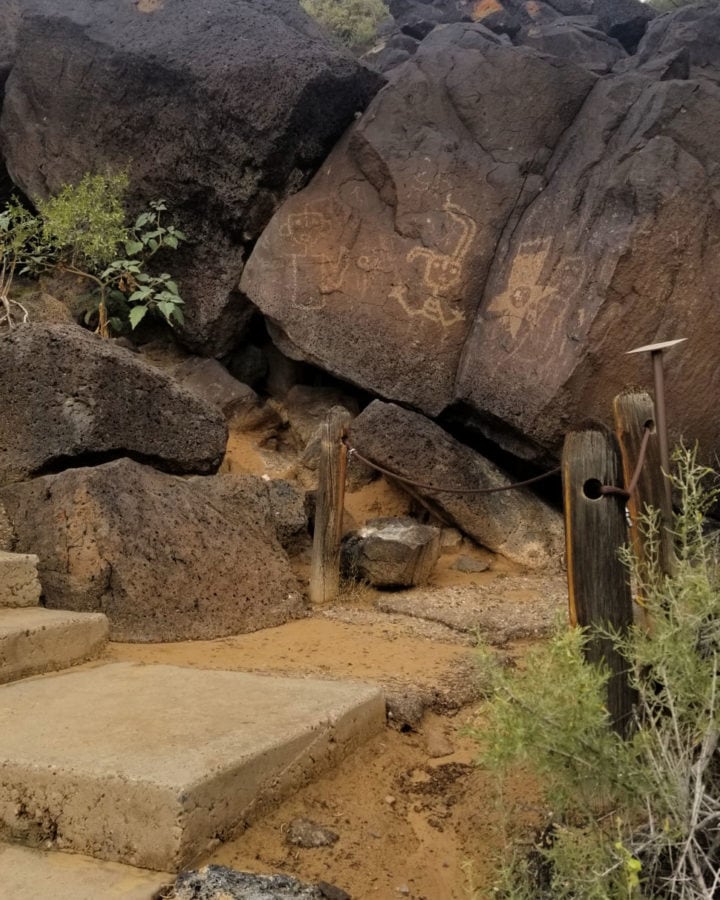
221	107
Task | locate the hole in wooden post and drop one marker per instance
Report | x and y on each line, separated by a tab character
591	489
649	426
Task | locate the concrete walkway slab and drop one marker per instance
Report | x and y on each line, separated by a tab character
35	875
154	765
35	640
19	582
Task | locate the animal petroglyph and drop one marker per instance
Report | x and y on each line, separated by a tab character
310	234
442	272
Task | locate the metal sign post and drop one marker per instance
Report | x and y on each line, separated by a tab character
656	353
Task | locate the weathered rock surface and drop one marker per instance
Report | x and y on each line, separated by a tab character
66	395
164	558
582	44
306	833
632	257
223	107
210	380
502	611
691	33
391	552
374	271
513	523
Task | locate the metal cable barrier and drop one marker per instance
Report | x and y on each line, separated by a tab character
604	489
352	451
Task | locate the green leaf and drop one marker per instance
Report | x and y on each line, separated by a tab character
143	219
132	248
171	241
137	313
141	294
178	314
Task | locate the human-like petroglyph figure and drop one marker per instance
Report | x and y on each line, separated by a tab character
442	272
310	235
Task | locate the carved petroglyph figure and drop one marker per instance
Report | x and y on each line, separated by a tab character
538	294
442	272
310	234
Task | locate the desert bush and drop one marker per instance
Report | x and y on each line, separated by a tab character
83	231
353	22
636	818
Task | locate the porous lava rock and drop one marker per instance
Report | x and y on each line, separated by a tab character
620	250
374	271
513	523
67	397
221	107
157	553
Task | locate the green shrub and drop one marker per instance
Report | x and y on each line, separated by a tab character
637	818
83	231
353	22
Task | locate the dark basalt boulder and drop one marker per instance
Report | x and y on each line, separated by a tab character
375	270
165	558
620	250
67	397
692	34
222	107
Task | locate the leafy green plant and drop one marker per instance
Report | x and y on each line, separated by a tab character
83	231
638	818
353	22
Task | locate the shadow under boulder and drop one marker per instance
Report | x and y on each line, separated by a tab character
165	558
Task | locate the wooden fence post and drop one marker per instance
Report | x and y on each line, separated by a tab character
595	531
633	411
325	564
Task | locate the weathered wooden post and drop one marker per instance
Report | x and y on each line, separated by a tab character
325	564
634	415
595	531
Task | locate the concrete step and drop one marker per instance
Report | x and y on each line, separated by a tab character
19	582
36	875
35	640
154	765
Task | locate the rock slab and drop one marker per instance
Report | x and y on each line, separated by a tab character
35	640
66	395
513	523
165	558
152	765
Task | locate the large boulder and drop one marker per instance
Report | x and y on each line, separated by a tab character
514	523
582	44
621	249
374	271
222	107
692	33
165	558
68	398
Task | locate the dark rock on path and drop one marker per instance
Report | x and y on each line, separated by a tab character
391	552
307	834
66	397
165	558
